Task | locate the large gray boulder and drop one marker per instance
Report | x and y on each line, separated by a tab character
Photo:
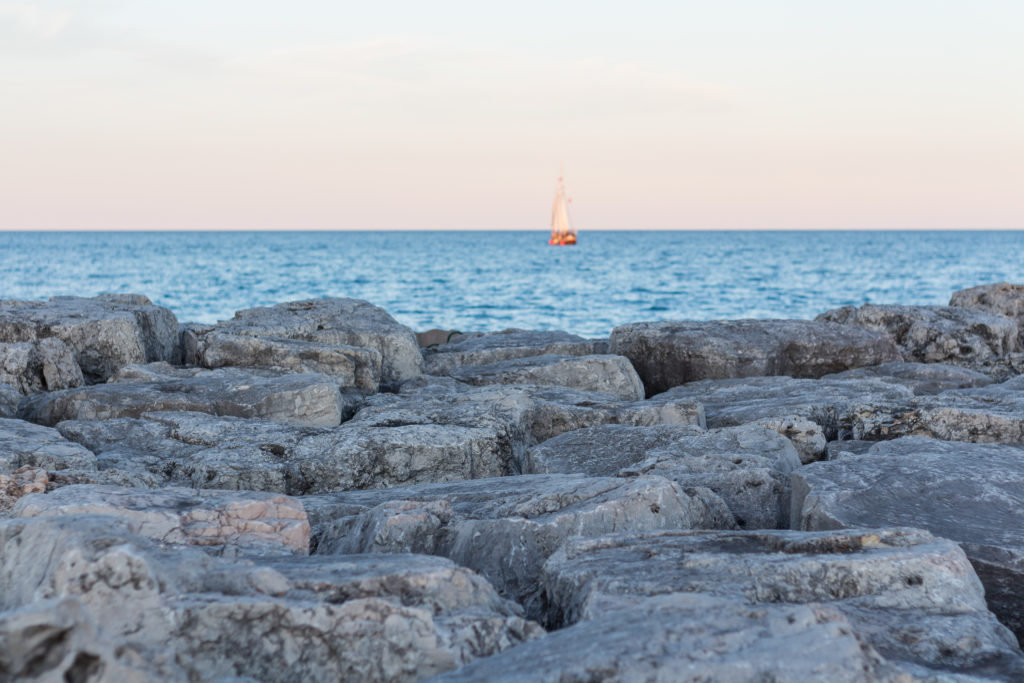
920	378
248	521
970	493
913	597
604	374
10	398
491	347
23	444
306	399
934	334
104	333
41	365
1001	298
369	617
667	354
505	528
748	466
336	322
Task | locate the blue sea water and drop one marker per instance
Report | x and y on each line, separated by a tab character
494	280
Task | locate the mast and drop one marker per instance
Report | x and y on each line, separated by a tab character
560	224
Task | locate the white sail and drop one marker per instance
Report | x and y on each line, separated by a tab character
560	224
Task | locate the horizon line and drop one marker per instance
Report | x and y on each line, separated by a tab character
535	230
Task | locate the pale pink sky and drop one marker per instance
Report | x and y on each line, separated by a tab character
118	114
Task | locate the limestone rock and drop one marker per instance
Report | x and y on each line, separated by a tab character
9	400
104	333
806	436
920	378
505	528
491	347
970	493
370	617
21	482
254	522
933	334
911	596
667	354
23	444
1001	298
604	374
40	365
307	399
748	466
336	322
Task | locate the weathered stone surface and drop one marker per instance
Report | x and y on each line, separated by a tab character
911	596
293	398
970	493
9	400
349	366
933	334
491	347
505	528
248	521
25	444
369	617
1001	298
21	482
807	437
336	322
40	365
685	639
842	449
748	466
840	406
104	333
920	378
605	374
667	354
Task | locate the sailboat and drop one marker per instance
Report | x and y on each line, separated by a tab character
562	232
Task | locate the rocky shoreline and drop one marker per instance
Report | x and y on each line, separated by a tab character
304	493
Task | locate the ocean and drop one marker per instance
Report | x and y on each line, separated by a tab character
495	280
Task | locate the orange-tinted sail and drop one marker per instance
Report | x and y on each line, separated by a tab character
562	232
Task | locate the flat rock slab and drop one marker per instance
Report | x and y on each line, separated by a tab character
200	617
970	493
350	366
247	521
920	378
491	347
933	334
292	398
25	444
336	322
667	354
911	596
40	365
748	466
505	528
104	333
605	374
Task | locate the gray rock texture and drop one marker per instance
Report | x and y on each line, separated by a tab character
667	354
604	374
920	378
369	617
970	493
336	322
249	521
104	333
9	400
933	334
306	399
912	597
505	528
21	482
491	347
41	365
1001	298
807	436
23	444
748	466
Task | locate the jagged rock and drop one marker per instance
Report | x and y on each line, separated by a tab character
251	521
307	399
505	528
336	322
21	482
41	365
667	354
192	340
748	466
920	378
369	617
688	640
104	333
23	444
933	334
808	437
1001	298
970	493
911	596
844	408
349	366
491	347
9	400
606	374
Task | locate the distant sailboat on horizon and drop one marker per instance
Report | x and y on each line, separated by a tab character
562	232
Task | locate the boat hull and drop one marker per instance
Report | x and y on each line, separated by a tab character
562	241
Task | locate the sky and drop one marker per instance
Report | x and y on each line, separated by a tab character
743	114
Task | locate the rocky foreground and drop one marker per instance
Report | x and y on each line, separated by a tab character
303	493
